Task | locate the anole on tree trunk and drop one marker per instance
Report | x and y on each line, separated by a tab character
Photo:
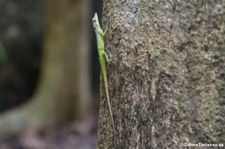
103	60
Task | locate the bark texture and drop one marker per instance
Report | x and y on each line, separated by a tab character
63	90
167	74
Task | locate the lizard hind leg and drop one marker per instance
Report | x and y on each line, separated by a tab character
105	30
106	57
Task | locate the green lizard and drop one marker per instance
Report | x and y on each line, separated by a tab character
103	59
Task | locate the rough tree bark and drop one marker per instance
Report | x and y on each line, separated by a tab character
167	74
63	91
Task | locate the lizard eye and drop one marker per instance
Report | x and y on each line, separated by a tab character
93	20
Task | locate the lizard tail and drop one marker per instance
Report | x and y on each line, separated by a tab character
103	66
109	104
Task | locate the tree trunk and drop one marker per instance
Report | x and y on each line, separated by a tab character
166	77
63	90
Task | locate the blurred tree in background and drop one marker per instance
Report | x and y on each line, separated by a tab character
63	89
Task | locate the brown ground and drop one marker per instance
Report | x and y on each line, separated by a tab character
76	135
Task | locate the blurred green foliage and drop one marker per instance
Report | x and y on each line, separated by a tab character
3	54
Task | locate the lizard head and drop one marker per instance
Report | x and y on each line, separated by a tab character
95	22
